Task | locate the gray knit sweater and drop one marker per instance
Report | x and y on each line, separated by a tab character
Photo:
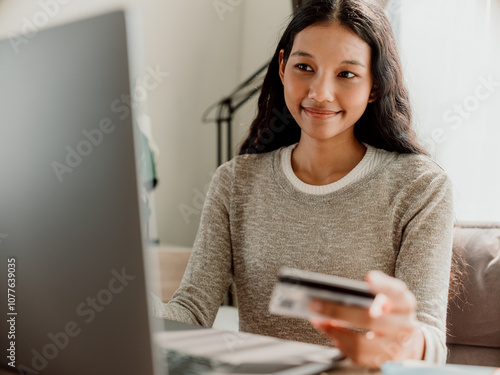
398	218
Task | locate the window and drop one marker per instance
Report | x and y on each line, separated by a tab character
450	50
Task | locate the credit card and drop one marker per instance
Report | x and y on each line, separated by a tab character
295	290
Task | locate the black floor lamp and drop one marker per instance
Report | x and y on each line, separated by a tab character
226	107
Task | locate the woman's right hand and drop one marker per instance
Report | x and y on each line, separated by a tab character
387	331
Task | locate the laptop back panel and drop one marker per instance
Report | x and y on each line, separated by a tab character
70	227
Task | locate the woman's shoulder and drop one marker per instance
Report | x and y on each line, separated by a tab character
416	174
244	168
247	164
415	166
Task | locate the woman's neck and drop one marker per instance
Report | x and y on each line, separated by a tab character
323	162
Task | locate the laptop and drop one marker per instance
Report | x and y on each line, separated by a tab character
70	218
73	252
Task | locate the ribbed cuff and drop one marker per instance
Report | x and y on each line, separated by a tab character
435	349
170	311
157	306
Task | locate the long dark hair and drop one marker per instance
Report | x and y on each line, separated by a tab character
385	124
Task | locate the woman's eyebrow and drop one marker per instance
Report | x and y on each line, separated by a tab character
345	62
353	62
302	53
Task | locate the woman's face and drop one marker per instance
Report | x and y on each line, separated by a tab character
327	80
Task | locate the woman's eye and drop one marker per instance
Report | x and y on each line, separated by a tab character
347	75
304	67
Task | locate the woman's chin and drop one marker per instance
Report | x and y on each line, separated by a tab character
326	136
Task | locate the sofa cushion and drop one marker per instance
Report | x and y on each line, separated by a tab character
473	355
474	319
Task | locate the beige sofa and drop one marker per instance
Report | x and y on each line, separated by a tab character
474	317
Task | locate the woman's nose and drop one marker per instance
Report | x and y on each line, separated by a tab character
322	89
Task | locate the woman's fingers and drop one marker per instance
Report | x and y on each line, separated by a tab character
392	313
364	349
398	326
356	316
391	324
392	295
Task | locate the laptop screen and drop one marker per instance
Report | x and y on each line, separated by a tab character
70	224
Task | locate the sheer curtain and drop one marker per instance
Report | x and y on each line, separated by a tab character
450	51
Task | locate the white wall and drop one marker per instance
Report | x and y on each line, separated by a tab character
207	50
201	52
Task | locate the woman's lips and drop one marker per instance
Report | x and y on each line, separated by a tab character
319	113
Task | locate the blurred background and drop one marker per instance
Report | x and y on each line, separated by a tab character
203	50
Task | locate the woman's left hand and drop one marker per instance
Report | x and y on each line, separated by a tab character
387	331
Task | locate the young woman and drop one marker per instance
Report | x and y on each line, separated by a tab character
331	179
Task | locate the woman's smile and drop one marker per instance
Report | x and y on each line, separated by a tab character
319	114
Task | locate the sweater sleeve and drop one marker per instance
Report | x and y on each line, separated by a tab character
208	274
424	257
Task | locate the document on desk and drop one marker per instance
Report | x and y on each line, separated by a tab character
212	351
